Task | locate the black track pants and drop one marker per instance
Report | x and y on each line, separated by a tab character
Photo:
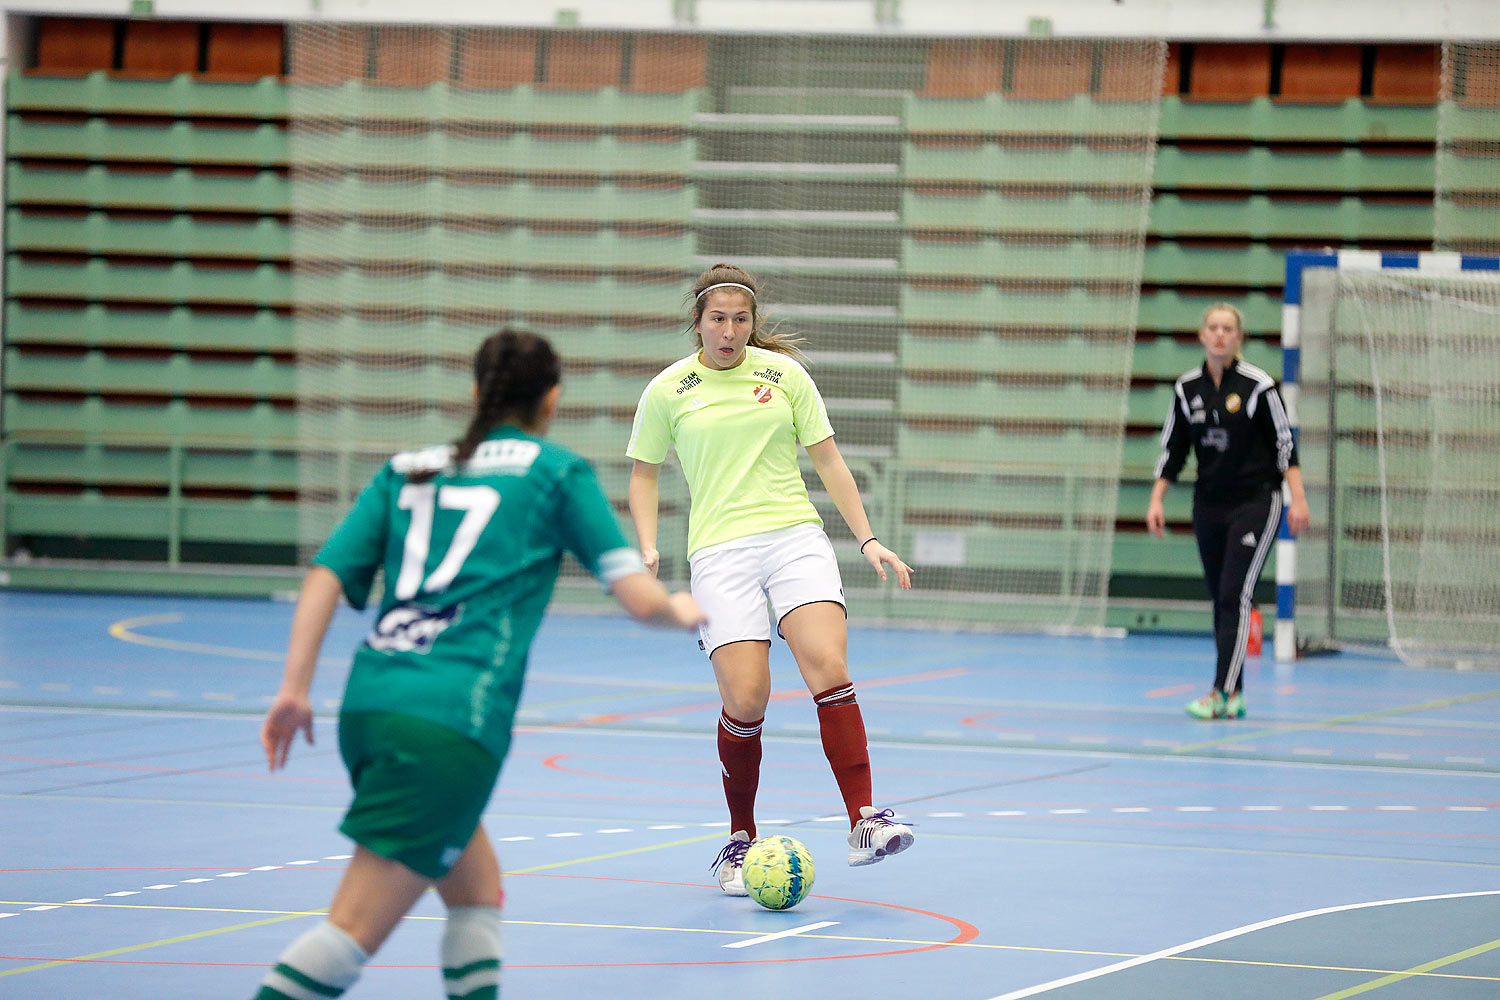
1233	540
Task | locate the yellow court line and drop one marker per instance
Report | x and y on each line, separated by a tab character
157	944
124	631
1340	720
292	916
279	915
615	854
1397	977
1332	968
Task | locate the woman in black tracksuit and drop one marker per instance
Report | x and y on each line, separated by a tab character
1232	415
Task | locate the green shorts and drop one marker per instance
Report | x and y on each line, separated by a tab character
419	789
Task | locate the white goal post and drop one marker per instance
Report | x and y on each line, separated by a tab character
1391	368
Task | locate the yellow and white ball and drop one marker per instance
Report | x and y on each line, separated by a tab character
778	872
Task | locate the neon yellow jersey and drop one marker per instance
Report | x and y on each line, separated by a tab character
736	434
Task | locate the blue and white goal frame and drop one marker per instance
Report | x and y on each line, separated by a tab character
1298	261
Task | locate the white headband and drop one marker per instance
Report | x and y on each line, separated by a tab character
726	284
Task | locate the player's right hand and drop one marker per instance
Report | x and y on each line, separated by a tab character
685	610
1156	518
288	715
652	559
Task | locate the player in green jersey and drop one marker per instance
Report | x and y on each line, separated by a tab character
736	411
469	536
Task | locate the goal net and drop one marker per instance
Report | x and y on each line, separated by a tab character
1467	156
1400	418
956	229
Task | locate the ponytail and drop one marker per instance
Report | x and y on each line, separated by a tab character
513	372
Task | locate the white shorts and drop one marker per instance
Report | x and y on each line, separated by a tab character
732	582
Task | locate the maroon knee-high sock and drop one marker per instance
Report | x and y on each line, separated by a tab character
739	758
843	728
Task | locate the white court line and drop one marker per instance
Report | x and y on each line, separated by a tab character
1055	984
789	932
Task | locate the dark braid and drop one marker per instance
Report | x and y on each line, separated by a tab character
513	370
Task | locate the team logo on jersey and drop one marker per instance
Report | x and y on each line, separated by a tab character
762	393
769	374
683	385
1232	402
410	629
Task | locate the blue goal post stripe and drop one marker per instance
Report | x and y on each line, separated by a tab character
1299	260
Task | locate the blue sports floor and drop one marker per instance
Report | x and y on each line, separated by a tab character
1078	836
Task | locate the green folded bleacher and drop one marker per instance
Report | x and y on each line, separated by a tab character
102	234
181	96
172	326
102	140
120	186
1262	119
152	359
1267	168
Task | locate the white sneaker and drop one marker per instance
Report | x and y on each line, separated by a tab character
877	836
730	864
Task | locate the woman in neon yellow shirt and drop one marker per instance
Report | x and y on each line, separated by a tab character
735	410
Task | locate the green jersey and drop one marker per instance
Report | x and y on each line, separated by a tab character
470	560
736	434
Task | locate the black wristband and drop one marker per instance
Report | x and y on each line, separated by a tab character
862	545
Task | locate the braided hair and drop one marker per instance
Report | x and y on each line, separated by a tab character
513	370
720	274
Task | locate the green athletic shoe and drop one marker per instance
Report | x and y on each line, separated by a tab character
1234	707
1210	706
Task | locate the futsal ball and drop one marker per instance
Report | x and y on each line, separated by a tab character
778	872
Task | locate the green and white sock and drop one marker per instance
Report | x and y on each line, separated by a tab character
320	964
471	953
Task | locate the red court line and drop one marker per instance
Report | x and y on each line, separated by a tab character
1167	692
552	763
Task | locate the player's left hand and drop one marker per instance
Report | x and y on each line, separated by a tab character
287	715
879	556
1298	517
